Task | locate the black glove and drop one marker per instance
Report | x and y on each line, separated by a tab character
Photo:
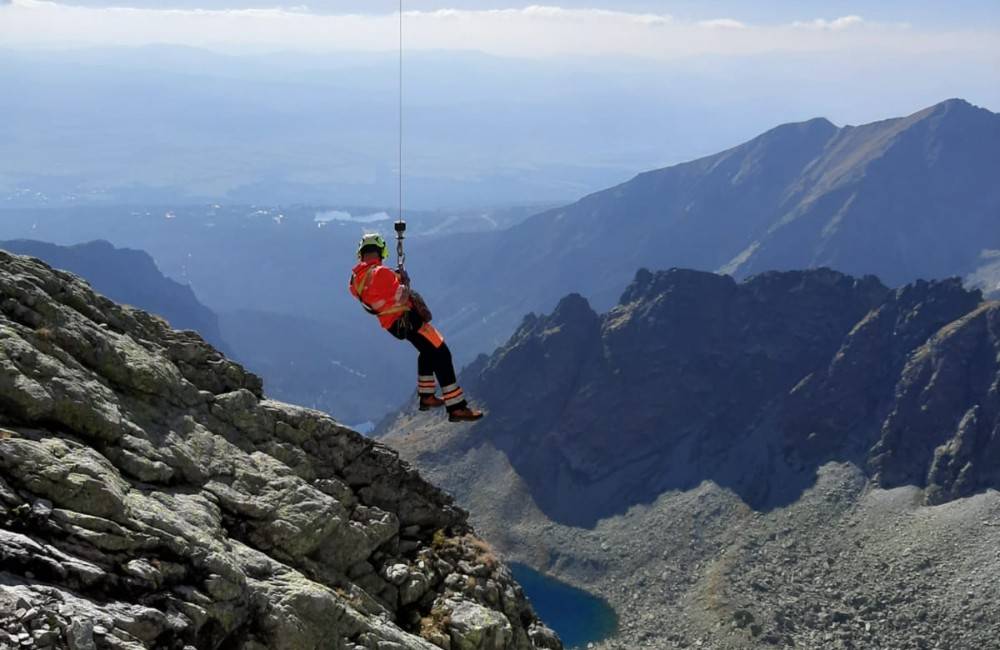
404	277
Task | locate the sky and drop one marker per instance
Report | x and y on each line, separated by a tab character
656	30
942	14
579	94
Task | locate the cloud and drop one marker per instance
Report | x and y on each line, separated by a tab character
722	23
844	22
533	31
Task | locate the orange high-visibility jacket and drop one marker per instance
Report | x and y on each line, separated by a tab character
380	291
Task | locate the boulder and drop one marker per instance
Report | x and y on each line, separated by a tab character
474	627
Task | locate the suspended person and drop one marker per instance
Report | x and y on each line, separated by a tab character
386	294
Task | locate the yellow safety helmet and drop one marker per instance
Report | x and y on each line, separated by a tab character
373	239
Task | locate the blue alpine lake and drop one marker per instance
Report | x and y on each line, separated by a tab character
576	615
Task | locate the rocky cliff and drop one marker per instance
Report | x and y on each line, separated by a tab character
752	385
621	408
151	496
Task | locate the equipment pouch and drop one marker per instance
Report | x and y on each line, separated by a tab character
420	307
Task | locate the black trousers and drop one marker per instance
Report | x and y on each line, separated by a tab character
432	359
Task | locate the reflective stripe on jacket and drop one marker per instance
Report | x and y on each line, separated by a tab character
380	292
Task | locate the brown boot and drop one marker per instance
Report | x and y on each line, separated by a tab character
464	414
428	402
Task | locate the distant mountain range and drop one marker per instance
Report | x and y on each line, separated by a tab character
905	198
130	277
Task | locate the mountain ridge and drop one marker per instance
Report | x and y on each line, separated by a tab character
903	199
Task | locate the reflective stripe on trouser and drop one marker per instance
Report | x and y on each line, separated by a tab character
426	384
431	333
452	395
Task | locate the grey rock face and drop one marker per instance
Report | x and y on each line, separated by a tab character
598	413
150	496
943	431
752	385
842	404
476	628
